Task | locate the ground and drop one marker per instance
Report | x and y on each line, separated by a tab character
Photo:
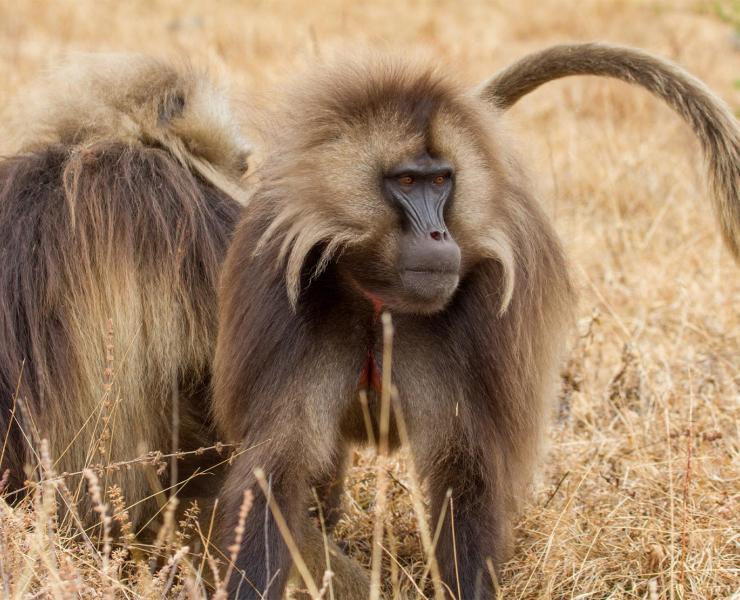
639	493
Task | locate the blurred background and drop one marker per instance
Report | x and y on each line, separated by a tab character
256	41
639	496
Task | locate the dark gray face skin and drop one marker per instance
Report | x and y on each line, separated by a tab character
428	258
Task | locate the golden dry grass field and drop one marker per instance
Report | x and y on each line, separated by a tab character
639	494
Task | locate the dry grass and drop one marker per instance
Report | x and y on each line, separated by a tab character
639	496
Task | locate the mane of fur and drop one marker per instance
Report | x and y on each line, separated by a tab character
333	100
139	100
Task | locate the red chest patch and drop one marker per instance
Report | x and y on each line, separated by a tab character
370	375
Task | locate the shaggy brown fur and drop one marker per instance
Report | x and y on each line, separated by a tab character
114	220
294	336
474	379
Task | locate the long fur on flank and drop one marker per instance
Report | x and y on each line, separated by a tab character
114	220
708	116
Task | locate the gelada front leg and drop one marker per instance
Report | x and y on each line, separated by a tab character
348	580
474	525
328	489
263	561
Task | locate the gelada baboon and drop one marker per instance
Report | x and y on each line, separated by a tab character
387	185
114	220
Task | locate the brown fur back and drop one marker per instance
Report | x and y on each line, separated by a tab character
113	227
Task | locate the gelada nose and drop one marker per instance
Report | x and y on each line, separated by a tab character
436	251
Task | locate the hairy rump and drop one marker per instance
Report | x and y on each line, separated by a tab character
135	268
114	221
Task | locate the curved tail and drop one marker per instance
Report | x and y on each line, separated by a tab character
709	117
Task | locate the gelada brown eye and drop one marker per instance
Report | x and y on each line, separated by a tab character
406	180
440	179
